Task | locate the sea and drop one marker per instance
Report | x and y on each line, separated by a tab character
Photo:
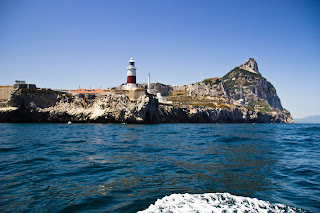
128	167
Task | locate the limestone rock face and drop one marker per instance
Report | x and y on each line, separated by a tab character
161	88
250	85
24	98
196	89
111	108
250	65
241	96
171	114
206	89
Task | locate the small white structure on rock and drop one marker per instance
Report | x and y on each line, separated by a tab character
131	76
162	99
148	90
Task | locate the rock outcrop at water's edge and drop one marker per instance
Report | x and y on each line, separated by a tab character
35	106
243	95
111	108
171	114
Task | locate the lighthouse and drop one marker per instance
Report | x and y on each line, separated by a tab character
148	90
131	75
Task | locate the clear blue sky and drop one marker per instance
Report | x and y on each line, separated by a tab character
62	44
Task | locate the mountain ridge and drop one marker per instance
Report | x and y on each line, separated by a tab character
238	87
309	119
250	65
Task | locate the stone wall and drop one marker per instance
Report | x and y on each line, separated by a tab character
132	94
5	92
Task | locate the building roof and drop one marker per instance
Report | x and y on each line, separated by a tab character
86	91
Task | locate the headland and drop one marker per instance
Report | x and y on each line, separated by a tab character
241	96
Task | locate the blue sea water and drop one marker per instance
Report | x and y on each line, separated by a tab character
125	168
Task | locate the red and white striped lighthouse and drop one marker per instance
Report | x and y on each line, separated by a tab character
131	75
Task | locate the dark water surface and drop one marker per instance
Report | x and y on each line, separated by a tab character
125	168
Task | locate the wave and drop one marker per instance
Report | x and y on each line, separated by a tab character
313	128
215	202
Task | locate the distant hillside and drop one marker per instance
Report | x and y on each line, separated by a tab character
309	119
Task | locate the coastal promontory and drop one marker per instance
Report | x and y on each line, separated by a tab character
241	96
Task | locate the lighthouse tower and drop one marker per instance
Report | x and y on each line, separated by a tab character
131	75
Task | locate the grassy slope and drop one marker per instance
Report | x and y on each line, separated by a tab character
240	76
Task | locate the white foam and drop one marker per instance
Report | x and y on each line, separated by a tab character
214	202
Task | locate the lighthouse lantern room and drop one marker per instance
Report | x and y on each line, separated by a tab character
131	75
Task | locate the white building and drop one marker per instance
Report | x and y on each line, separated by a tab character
162	99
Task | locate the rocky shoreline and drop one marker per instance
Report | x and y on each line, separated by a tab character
243	95
35	106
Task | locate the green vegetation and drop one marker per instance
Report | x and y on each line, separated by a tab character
237	77
180	97
237	71
223	105
211	81
249	108
177	93
205	105
261	105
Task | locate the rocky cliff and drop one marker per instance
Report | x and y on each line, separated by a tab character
200	114
241	96
38	106
242	86
245	82
34	106
250	65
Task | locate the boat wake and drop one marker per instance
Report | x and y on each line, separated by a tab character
215	202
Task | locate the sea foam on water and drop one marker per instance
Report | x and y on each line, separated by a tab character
215	202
